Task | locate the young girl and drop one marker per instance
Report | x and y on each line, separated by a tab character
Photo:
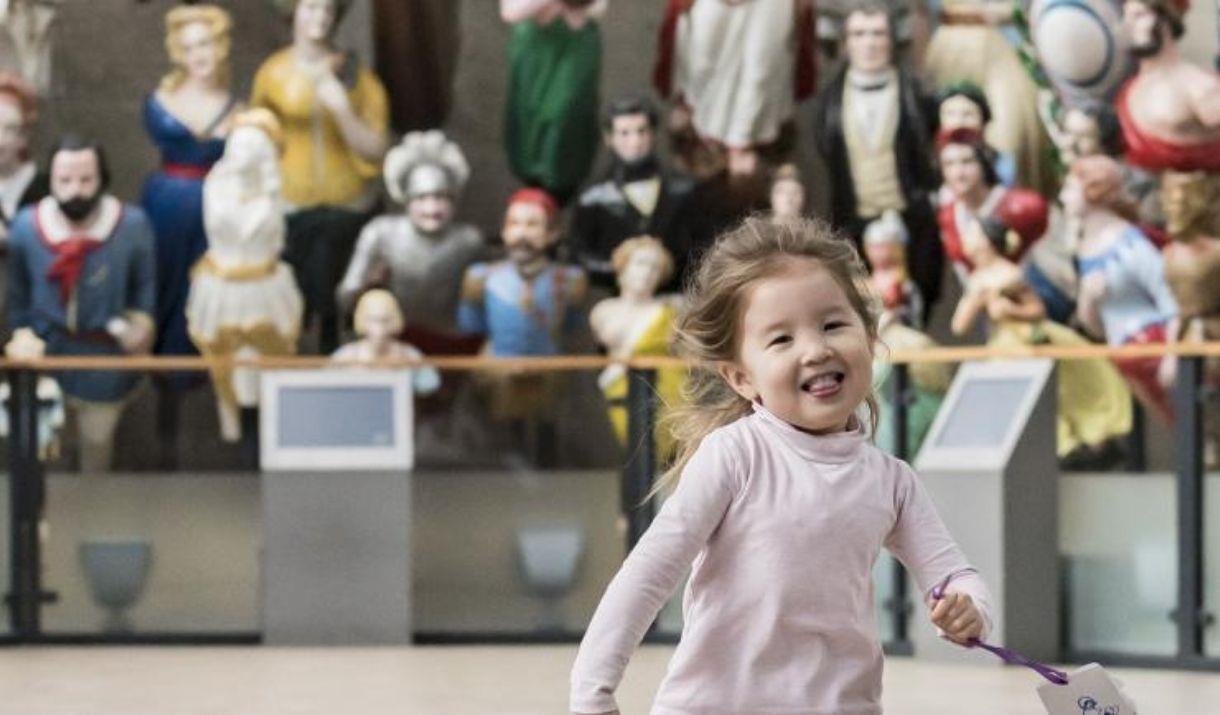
783	504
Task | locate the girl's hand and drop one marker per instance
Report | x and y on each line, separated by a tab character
958	617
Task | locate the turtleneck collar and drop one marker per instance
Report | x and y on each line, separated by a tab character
836	448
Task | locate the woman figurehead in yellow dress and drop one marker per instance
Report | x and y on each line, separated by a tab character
334	113
638	323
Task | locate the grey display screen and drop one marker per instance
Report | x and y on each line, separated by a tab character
983	413
327	417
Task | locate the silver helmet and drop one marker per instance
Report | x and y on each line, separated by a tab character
425	163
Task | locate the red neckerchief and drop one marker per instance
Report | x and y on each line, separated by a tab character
69	262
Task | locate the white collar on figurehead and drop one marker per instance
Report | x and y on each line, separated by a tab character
56	229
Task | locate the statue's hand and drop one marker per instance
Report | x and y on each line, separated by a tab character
332	95
1167	371
25	345
133	331
679	118
1093	286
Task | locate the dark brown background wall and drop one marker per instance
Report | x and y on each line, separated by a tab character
109	53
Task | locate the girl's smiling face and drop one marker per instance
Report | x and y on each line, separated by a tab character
803	352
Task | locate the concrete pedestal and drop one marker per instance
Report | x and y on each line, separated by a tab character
336	561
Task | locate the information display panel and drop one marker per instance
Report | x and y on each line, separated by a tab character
336	419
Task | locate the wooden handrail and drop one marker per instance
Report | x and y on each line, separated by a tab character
561	363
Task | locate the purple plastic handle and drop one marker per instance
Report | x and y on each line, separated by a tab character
1058	677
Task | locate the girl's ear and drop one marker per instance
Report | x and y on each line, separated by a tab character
736	377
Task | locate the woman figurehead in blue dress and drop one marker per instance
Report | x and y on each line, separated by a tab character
187	118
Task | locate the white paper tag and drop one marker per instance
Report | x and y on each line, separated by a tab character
1089	691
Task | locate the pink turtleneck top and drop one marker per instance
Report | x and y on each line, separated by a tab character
780	529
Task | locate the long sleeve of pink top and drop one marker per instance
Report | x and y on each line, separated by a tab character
780	530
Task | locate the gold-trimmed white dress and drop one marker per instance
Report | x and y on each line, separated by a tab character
242	297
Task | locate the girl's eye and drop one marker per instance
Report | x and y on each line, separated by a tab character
835	325
779	340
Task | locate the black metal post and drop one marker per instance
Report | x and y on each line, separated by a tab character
169	420
25	505
1137	456
249	438
1188	409
641	452
898	606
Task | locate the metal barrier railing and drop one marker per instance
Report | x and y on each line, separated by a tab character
27	482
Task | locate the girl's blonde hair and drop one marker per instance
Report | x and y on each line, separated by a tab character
707	332
218	22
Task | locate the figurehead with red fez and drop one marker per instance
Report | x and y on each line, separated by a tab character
968	169
539	198
524	303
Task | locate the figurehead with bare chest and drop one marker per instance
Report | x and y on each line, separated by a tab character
1170	110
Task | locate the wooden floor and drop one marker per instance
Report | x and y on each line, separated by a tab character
465	681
